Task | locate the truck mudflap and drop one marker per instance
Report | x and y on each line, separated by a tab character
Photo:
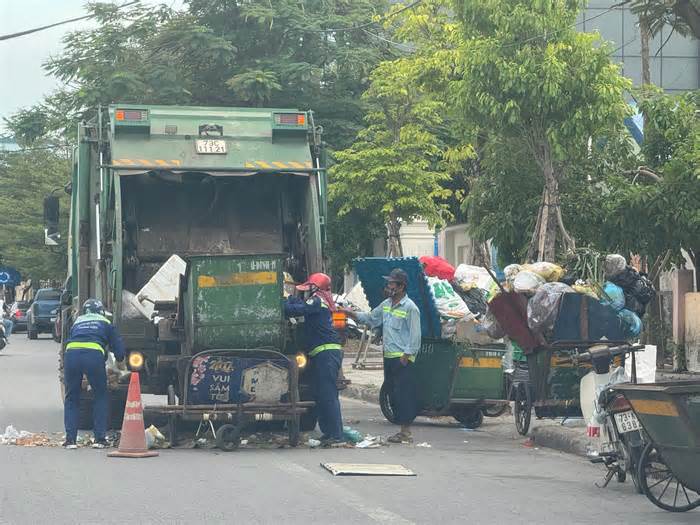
236	388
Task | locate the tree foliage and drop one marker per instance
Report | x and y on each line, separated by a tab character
392	167
27	177
527	74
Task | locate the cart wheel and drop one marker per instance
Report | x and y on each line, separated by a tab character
621	475
523	408
293	429
470	418
495	410
228	437
661	486
385	404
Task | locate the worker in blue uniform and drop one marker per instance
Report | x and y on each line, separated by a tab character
399	317
324	351
86	353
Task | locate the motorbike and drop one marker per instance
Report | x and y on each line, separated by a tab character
3	337
604	407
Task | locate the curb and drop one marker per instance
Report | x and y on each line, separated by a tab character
569	440
369	393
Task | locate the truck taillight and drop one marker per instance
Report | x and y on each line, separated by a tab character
290	119
620	404
131	114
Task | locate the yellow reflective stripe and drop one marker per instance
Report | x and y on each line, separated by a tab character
654	407
394	355
77	345
321	348
401	314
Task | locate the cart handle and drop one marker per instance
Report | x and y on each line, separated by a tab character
610	353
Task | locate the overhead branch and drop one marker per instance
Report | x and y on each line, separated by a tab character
644	172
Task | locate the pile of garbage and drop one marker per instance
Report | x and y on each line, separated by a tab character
462	295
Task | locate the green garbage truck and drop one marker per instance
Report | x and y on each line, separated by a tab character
185	222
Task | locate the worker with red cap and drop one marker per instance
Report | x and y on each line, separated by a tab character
324	349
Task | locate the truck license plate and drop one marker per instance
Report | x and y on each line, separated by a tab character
627	422
211	146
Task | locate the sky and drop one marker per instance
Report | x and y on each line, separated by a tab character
24	82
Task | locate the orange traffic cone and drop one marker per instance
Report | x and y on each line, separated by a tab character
133	440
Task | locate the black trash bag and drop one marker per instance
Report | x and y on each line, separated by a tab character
569	279
635	284
634	304
475	300
643	289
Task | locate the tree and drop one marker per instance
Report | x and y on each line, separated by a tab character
27	177
391	168
527	74
282	54
653	15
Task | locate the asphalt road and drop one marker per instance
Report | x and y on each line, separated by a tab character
484	476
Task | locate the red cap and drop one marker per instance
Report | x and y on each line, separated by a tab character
319	280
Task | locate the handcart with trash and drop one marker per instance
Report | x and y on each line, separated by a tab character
669	468
552	322
454	377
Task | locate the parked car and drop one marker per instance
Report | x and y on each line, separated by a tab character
43	312
18	315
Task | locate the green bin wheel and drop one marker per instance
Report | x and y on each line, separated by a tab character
385	404
661	486
228	437
522	410
470	417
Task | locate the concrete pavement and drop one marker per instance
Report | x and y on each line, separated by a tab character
483	476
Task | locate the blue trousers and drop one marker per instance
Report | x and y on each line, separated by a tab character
401	383
8	324
325	367
91	363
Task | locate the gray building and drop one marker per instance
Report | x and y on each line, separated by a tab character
675	65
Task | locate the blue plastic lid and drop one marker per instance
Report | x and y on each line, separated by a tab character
371	271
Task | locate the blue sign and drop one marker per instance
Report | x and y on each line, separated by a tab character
219	379
9	276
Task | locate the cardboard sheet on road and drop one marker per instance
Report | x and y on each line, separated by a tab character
366	469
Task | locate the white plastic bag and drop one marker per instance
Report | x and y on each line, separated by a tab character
543	308
527	282
448	303
469	277
131	308
614	265
646	365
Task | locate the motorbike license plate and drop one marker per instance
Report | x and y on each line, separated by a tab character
211	147
627	422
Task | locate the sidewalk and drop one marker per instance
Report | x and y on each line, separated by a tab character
566	436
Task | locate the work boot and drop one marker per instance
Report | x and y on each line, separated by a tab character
401	437
70	444
100	443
